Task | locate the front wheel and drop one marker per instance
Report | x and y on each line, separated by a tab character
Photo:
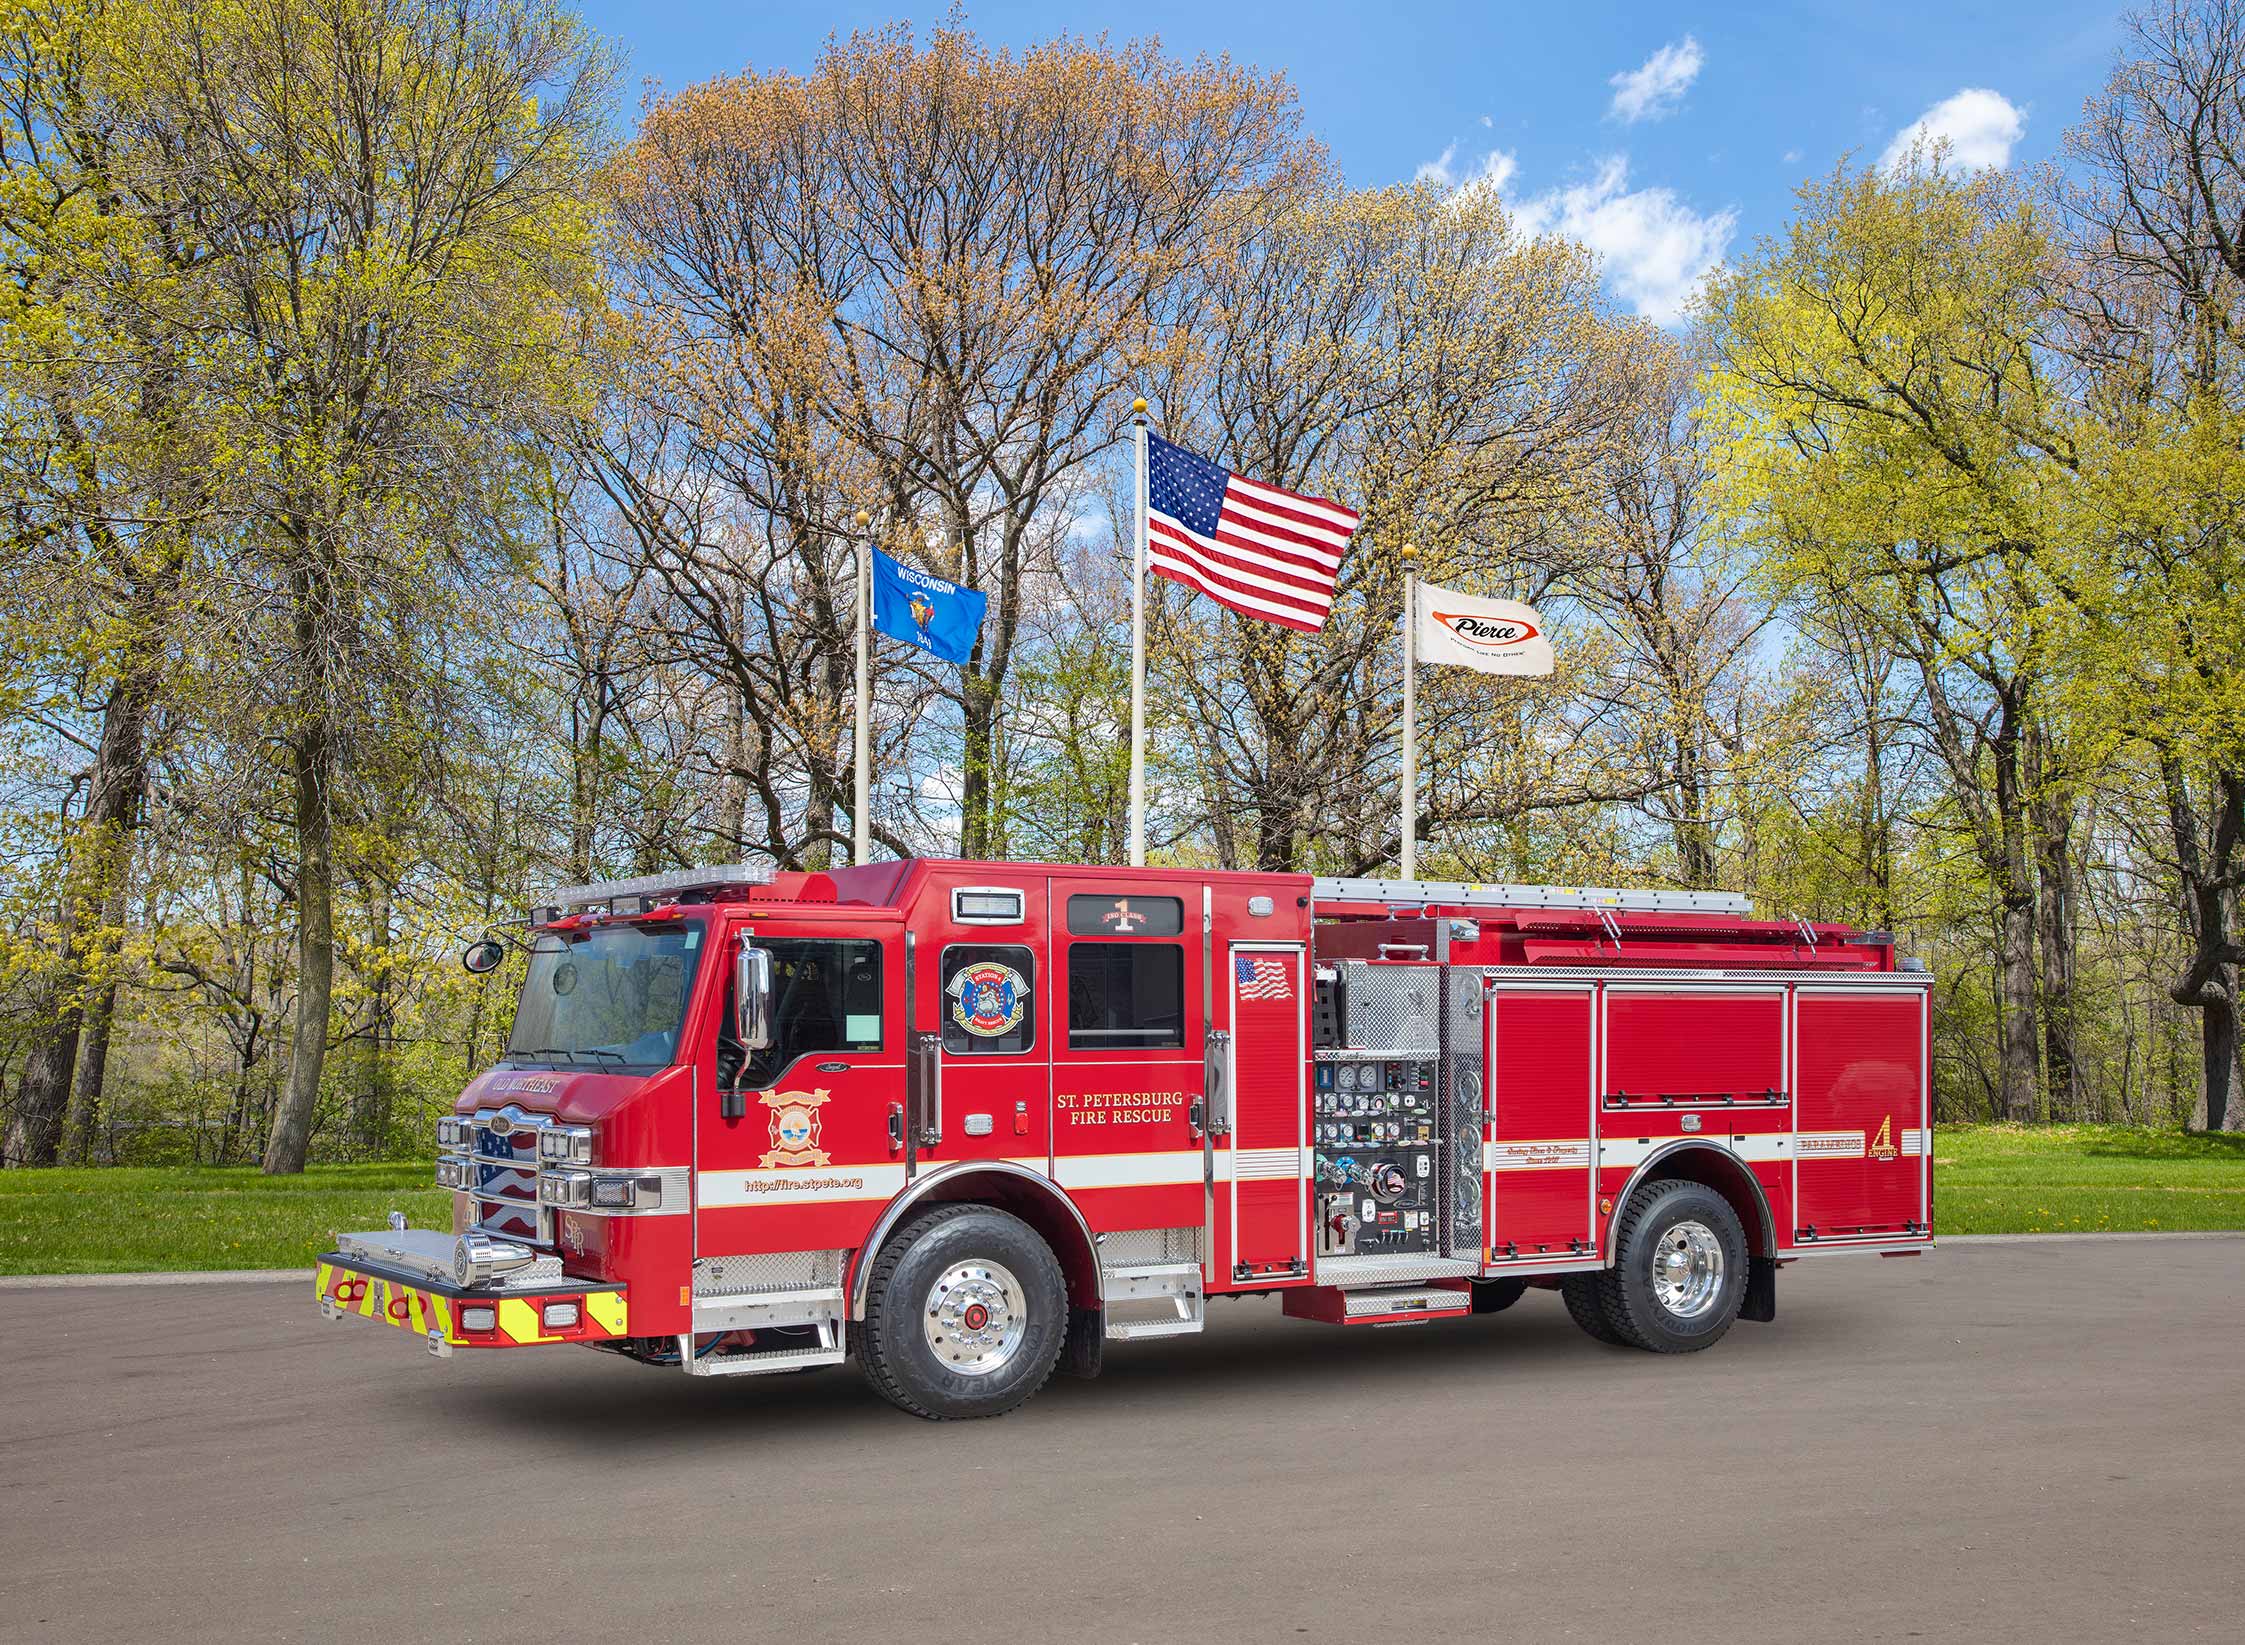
1679	1272
965	1315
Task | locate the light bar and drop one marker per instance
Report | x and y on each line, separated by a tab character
662	887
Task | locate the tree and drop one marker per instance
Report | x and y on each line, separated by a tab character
391	197
1893	436
2157	210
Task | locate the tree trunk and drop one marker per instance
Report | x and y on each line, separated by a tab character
82	1142
2053	815
2015	945
312	758
91	879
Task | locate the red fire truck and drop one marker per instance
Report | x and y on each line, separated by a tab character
972	1121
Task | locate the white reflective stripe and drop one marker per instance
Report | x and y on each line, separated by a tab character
1830	1145
1258	1164
800	1186
1138	1170
1547	1154
1913	1142
1631	1152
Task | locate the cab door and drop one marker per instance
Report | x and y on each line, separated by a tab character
982	1028
1126	991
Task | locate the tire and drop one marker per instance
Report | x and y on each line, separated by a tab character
1586	1306
1679	1273
1494	1296
964	1316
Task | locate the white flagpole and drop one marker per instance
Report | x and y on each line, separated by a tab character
861	812
1410	712
1138	646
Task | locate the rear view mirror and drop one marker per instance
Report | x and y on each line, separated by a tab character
486	955
752	997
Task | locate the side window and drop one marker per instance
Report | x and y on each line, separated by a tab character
1126	996
989	999
826	996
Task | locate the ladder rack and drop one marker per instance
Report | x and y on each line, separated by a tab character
1459	894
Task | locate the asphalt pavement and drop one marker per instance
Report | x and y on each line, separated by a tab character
1993	1442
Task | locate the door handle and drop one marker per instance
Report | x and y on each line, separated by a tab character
1197	1116
896	1127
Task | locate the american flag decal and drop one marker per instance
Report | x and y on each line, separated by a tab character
1263	979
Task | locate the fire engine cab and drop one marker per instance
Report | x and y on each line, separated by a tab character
969	1122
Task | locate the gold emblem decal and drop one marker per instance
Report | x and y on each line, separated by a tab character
795	1127
1882	1145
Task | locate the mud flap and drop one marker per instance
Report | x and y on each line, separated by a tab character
1761	1290
1085	1350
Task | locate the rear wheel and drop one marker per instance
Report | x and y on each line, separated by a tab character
965	1314
1679	1272
1586	1306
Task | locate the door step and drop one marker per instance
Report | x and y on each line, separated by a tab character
818	1308
1393	1268
1153	1299
1382	1304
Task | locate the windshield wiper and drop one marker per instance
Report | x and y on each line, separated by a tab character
554	1051
602	1051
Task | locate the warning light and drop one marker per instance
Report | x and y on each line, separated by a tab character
1606	1207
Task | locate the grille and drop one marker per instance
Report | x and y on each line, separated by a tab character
1141	1245
504	1150
765	1271
1393	1008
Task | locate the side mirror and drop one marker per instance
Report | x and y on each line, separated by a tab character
486	955
752	997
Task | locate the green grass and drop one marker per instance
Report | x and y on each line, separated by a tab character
133	1219
1988	1179
2019	1179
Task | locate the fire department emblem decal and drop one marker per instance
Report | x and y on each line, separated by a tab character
795	1127
987	999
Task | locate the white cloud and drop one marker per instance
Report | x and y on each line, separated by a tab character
1653	91
1655	247
1792	157
1487	122
1438	170
1494	171
1977	125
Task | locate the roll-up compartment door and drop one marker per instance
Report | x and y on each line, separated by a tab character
1862	1128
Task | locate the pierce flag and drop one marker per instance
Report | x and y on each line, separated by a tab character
922	610
1494	636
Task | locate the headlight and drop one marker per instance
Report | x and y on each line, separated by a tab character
452	1133
568	1143
562	1187
452	1173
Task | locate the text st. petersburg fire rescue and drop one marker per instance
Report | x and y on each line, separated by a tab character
968	1122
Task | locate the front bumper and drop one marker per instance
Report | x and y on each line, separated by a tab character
448	1316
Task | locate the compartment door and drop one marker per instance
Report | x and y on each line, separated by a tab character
1863	1142
1269	1078
1543	1131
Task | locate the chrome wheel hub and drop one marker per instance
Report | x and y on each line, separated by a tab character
1688	1269
975	1318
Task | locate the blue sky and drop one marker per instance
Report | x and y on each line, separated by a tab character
1666	136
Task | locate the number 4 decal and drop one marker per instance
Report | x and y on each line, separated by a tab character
1882	1145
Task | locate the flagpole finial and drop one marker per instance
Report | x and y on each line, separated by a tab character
863	519
1138	408
1410	551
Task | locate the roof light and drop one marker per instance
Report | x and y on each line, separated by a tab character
986	905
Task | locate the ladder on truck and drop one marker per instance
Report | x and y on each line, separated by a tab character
1465	894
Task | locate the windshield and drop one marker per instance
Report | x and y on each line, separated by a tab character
611	997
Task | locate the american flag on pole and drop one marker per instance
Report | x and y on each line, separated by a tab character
1264	552
1263	979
